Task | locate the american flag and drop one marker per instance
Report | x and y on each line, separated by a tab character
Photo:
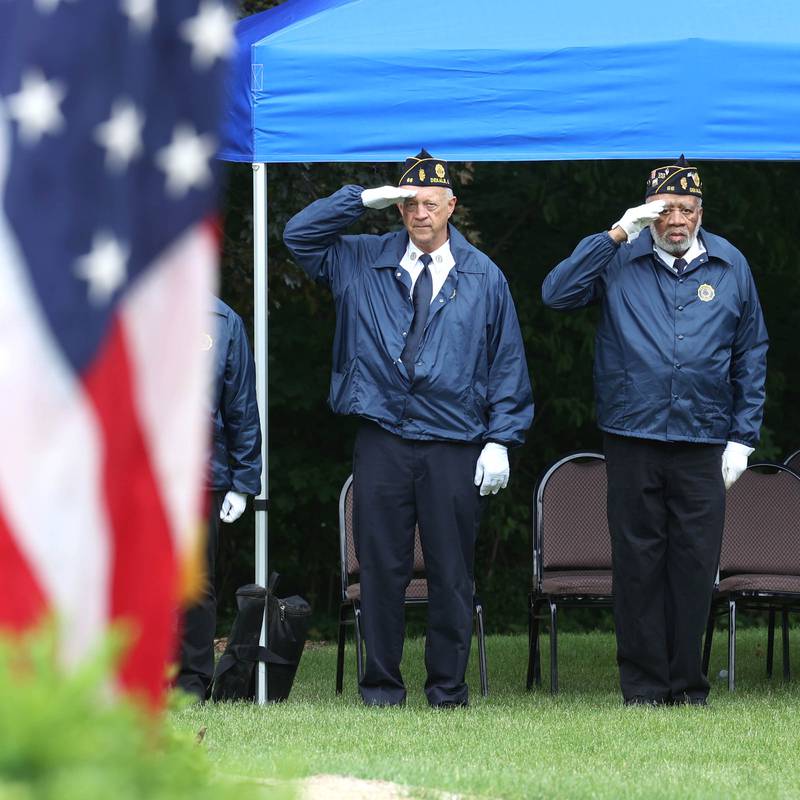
108	116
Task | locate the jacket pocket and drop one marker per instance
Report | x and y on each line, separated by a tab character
341	385
715	416
475	407
611	395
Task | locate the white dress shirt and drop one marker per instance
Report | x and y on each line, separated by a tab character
442	262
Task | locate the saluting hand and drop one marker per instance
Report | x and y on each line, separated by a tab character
385	196
639	217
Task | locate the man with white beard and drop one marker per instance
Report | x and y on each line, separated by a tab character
679	372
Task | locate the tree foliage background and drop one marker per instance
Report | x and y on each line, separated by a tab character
526	217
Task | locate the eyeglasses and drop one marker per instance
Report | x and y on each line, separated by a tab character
686	212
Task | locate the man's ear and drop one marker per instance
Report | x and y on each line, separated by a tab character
452	203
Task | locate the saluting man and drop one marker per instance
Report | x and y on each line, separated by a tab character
680	365
428	353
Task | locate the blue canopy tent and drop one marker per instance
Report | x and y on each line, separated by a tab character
365	80
373	80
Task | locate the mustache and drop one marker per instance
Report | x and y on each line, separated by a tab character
666	244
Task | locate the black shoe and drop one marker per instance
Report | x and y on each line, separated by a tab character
450	704
385	703
688	700
641	700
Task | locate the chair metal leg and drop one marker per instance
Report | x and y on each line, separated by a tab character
340	650
481	648
534	650
529	677
359	642
553	648
785	637
770	641
731	644
709	639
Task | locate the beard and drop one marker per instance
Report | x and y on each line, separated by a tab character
673	248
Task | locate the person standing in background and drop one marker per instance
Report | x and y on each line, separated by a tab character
234	473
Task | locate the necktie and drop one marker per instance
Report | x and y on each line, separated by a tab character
421	297
679	264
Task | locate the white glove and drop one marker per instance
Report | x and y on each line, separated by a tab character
232	506
385	196
491	471
635	219
734	462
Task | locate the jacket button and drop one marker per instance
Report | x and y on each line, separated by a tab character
680	308
680	335
674	397
405	333
441	300
677	366
397	275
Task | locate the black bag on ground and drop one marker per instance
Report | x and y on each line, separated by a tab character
287	626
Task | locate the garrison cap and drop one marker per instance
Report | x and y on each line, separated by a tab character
677	178
425	170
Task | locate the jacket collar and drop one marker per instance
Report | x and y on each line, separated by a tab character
715	246
464	253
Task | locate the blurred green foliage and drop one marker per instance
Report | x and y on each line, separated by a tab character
64	737
527	217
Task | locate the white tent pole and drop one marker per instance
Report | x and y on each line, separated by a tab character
260	346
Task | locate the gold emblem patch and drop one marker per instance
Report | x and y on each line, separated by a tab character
695	177
439	171
421	174
705	292
208	342
684	184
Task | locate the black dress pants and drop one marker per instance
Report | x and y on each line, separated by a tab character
666	512
397	483
196	667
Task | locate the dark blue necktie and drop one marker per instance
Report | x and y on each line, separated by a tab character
421	297
679	264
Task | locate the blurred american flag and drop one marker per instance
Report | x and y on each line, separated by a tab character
108	119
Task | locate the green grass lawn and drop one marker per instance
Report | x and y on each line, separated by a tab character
581	743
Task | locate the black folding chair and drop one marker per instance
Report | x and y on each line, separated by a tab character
760	560
416	593
793	462
571	550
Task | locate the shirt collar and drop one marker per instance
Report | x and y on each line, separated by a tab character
441	258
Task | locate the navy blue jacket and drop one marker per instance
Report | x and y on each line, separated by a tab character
236	442
471	379
677	358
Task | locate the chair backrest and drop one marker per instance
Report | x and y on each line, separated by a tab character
793	462
762	522
570	522
347	547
